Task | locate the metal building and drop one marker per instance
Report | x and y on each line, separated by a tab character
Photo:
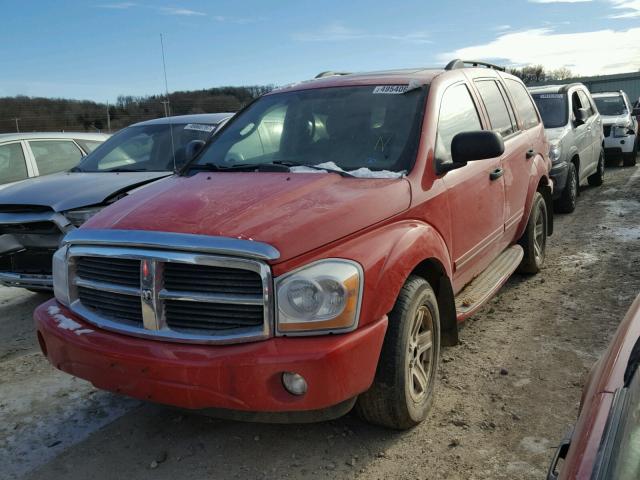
629	82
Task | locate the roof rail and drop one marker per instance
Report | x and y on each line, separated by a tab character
457	63
330	73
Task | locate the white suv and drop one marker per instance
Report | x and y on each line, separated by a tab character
620	126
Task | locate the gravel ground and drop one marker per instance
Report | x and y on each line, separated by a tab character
506	394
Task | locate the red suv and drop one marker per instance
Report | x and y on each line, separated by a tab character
315	254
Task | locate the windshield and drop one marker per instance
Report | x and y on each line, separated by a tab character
611	105
354	127
553	109
145	148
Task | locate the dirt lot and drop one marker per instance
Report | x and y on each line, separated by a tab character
506	394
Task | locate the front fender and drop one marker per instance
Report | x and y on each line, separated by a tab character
388	254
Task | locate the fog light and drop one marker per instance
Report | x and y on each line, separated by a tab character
294	383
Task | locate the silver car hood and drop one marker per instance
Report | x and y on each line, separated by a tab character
615	119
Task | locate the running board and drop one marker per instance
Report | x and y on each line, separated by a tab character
482	288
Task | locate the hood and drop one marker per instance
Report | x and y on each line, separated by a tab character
615	119
68	190
294	212
554	135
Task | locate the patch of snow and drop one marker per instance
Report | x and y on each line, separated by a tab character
65	322
580	258
621	207
362	172
626	234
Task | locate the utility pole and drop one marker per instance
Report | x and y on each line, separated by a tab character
17	127
108	119
165	103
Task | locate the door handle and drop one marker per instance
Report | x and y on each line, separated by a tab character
530	153
496	174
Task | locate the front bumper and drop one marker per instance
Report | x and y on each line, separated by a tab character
244	377
619	145
32	281
558	174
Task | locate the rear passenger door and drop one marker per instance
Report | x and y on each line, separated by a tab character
517	165
13	163
52	156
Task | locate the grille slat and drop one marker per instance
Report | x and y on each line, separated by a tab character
119	271
111	305
209	316
209	279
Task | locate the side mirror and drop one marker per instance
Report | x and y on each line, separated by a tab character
480	145
192	149
581	116
636	112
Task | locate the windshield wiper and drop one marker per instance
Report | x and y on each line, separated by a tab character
262	167
120	170
316	167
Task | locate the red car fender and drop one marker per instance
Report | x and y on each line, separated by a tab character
387	254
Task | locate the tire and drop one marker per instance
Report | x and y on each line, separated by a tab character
567	201
403	389
597	178
629	159
534	238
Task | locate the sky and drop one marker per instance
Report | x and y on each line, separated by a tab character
98	50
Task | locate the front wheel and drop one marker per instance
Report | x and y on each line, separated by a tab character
403	388
629	159
534	238
597	178
567	201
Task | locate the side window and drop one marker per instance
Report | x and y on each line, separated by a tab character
261	140
496	107
55	156
88	145
576	104
457	114
586	104
523	103
12	163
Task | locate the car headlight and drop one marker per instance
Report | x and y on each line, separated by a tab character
554	153
61	276
79	216
321	297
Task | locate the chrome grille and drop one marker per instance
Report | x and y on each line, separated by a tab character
120	271
202	278
175	296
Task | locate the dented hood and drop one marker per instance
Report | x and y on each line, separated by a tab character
294	212
69	190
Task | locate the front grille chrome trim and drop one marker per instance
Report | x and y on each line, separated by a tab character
154	324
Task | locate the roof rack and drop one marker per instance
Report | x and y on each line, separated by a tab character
457	63
330	73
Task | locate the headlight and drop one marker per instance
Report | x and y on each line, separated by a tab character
620	131
61	276
319	298
79	216
554	153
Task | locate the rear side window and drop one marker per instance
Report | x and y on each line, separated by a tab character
523	104
496	107
586	104
457	114
55	156
12	164
88	145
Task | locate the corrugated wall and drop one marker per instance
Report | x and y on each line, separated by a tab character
628	82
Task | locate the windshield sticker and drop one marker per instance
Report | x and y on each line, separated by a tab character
550	95
200	127
390	89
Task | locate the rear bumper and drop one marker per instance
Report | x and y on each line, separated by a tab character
618	146
242	378
558	174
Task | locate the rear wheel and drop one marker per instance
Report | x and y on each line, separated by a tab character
534	238
403	388
567	201
597	178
